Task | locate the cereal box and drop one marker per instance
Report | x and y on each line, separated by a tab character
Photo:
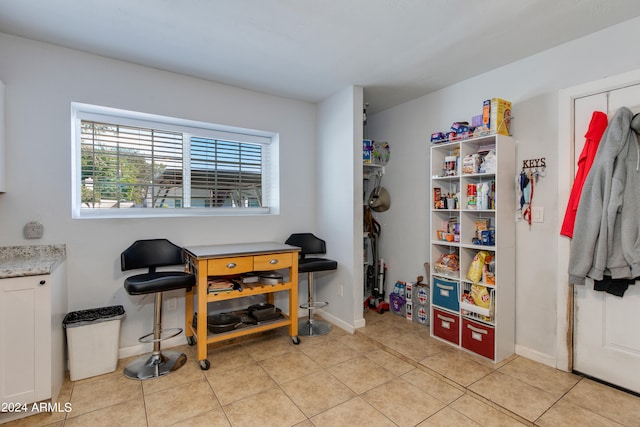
367	148
496	115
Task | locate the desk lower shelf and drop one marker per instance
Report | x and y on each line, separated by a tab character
246	329
247	291
240	332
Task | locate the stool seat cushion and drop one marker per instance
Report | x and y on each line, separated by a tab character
307	265
158	281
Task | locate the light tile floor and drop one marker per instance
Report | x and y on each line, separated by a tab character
390	373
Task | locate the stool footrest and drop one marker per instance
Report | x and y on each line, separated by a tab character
171	332
314	305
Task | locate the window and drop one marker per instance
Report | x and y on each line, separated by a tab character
129	164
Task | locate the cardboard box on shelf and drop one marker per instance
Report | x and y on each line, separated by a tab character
496	116
367	148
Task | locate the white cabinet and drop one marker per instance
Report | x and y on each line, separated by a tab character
32	361
472	216
25	316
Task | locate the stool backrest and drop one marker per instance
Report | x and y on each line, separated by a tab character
150	254
308	243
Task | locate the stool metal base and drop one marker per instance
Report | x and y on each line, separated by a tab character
155	365
312	328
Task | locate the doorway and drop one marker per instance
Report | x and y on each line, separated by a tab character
597	332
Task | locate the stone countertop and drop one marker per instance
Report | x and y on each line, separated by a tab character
18	261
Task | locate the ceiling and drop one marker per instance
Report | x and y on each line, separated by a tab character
397	50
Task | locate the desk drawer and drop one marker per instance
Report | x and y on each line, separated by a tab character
229	266
272	262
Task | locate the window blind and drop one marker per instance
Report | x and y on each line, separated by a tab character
225	173
127	166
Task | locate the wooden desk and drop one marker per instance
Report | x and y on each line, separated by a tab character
225	260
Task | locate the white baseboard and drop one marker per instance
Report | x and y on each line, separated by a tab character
360	323
336	321
536	356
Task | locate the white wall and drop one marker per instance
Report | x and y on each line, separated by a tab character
532	85
339	184
2	155
42	80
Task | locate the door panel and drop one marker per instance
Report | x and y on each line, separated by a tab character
607	336
628	97
606	340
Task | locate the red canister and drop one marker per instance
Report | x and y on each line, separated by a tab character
472	192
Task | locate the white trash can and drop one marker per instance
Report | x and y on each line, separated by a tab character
93	338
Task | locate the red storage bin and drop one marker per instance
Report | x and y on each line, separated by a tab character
446	325
479	338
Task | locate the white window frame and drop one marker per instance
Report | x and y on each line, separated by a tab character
270	161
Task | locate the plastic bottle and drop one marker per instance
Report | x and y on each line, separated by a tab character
484	196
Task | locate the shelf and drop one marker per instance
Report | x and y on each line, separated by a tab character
445	210
447	276
372	167
486	285
255	289
479	175
474	309
245	329
486	331
446	178
446	309
478	247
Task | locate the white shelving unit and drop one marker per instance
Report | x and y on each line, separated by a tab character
371	172
457	220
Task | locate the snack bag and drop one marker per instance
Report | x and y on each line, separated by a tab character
481	296
470	164
490	271
447	264
475	270
466	297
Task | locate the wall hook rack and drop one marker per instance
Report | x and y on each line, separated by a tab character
534	168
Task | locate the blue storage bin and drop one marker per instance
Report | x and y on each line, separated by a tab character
446	293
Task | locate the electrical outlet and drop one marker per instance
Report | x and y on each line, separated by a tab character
537	214
33	230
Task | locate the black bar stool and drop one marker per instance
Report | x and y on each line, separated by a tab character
310	244
151	254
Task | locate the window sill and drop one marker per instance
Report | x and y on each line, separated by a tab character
168	213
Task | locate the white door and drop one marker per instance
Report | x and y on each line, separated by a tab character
606	340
